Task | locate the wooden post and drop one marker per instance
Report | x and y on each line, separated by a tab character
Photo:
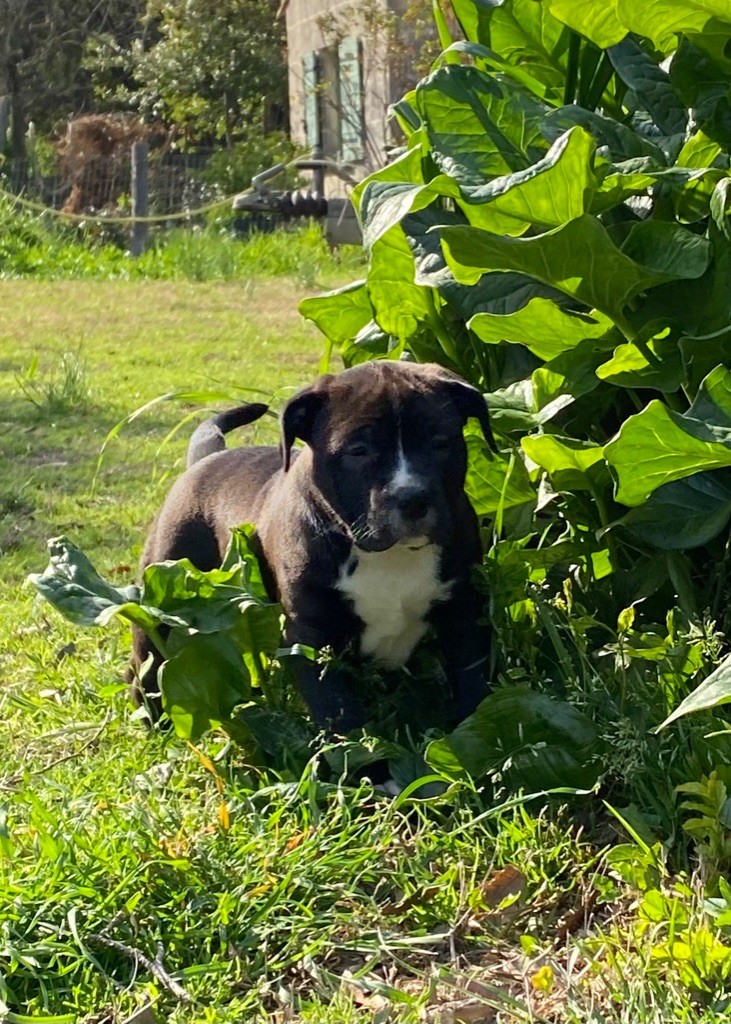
5	105
140	199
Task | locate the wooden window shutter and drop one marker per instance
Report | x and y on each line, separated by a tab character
350	99
310	78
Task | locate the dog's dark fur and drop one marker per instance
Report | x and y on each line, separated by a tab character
383	466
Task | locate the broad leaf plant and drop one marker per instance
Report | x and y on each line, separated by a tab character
557	229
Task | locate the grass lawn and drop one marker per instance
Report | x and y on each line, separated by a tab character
265	898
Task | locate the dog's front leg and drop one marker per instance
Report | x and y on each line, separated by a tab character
335	702
465	643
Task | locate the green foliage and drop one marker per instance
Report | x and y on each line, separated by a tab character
225	668
37	246
713	692
63	389
533	741
709	801
557	231
686	943
222	631
232	169
211	75
43	48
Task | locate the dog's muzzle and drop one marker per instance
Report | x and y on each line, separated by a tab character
396	517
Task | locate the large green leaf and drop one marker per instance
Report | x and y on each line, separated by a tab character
521	406
665	21
668	249
479	125
206	601
386	203
700	308
662	21
658	446
700	151
232	598
657	363
203	683
73	586
536	742
550	192
405	113
493	482
524	32
399	304
474	17
618	186
598	20
651	85
720	207
712	693
339	314
542	326
489	61
407	167
684	514
579	259
572	465
577	367
703	84
712	404
619	140
496	293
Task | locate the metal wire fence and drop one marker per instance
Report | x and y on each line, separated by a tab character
176	181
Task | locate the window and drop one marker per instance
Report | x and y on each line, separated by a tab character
333	100
311	79
350	90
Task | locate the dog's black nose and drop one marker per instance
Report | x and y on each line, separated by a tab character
412	502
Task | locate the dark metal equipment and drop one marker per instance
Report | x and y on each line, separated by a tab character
263	208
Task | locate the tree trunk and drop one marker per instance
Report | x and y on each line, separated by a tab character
5	104
17	110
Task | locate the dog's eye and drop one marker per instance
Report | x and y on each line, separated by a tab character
357	449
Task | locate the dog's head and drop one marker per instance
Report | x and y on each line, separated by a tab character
387	449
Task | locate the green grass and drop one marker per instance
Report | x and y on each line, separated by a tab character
49	248
272	897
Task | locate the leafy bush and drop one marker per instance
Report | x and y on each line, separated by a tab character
558	230
231	170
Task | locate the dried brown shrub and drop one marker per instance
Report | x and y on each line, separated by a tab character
94	155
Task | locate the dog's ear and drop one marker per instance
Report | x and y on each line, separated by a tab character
470	403
298	417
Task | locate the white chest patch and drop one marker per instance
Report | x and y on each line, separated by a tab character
392	591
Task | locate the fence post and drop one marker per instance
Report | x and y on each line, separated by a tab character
318	174
140	199
5	104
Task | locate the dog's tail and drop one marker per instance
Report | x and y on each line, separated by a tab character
209	437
